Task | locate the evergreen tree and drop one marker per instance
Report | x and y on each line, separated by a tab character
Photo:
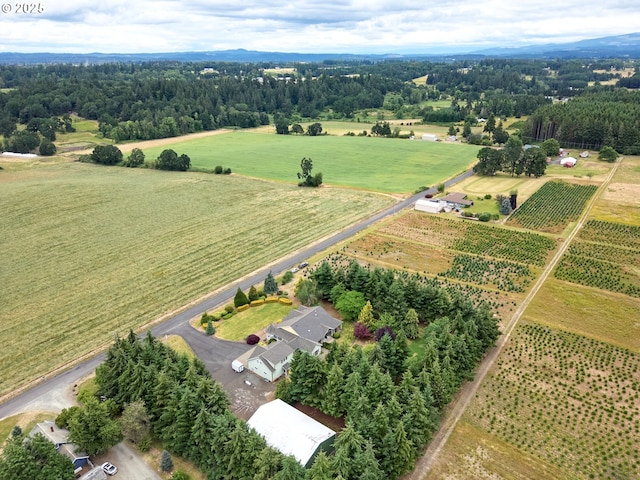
253	294
267	464
323	275
366	316
240	298
210	329
270	285
410	324
92	428
332	393
166	462
321	468
291	470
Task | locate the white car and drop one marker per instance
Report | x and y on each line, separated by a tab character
109	468
294	270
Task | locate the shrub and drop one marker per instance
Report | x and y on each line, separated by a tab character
361	331
218	170
253	294
228	309
227	316
253	339
484	216
287	277
144	445
180	475
487	196
227	171
257	303
244	307
206	318
285	301
271	300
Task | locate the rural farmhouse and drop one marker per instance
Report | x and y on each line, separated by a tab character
303	329
59	437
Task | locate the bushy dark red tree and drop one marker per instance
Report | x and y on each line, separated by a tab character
253	339
361	331
382	331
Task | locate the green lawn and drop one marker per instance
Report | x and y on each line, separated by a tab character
379	164
89	251
251	321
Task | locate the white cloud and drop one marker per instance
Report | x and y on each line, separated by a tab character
309	26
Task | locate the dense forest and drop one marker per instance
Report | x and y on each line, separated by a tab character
165	99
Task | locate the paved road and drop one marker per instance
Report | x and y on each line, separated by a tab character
178	323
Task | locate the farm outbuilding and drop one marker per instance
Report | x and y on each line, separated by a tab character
292	432
457	200
430	137
568	162
429	206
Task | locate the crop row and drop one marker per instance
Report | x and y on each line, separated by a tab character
470	237
567	399
598	273
552	206
611	233
523	247
504	275
606	252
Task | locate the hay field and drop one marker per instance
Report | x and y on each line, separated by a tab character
91	250
377	164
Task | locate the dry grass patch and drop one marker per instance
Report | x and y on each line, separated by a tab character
601	315
403	254
177	343
471	452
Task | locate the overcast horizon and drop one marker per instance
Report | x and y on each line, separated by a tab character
337	26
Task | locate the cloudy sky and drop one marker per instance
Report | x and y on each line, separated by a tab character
331	26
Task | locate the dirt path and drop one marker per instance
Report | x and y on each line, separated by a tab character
468	391
127	147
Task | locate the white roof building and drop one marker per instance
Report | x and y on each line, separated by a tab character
568	160
291	432
429	206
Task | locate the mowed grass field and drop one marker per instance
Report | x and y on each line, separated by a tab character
89	251
565	390
378	164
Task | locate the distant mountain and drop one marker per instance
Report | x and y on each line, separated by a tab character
621	46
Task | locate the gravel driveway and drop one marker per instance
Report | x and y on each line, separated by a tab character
130	464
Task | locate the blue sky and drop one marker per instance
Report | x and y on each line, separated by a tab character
333	26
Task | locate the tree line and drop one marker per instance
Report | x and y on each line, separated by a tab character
188	411
590	121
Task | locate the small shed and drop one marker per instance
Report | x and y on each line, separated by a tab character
429	206
568	162
430	137
292	432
